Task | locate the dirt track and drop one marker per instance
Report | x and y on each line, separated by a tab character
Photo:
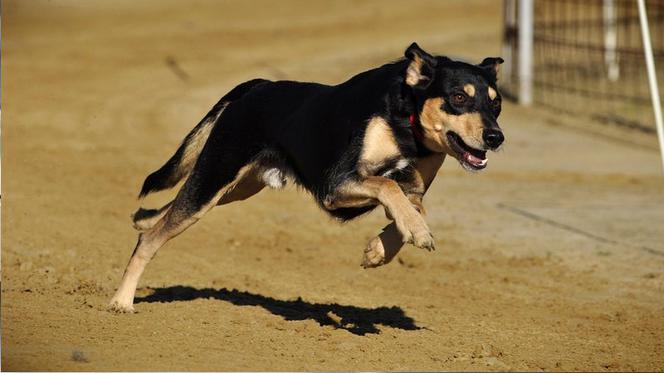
553	258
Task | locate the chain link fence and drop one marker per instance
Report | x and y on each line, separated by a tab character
588	59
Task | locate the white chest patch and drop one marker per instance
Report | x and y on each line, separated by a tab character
400	165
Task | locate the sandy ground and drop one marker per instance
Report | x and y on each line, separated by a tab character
553	258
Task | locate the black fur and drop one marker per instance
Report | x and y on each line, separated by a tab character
312	132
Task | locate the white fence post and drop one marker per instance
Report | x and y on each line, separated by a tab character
526	52
610	40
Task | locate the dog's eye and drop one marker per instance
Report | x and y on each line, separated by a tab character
459	99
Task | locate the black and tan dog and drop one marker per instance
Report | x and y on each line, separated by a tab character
376	139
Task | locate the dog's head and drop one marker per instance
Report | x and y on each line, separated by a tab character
458	105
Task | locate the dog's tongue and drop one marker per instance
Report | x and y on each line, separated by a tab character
475	161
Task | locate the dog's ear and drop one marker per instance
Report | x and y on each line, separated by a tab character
491	65
421	69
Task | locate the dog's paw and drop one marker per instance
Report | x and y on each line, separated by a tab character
374	254
424	240
119	307
417	233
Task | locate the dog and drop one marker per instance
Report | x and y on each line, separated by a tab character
377	139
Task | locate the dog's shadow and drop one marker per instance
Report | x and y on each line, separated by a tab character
357	320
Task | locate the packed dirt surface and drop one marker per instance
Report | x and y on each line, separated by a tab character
552	258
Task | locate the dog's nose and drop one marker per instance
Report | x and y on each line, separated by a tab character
493	137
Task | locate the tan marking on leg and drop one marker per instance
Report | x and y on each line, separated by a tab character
416	201
171	225
469	89
244	172
247	185
349	200
492	93
378	146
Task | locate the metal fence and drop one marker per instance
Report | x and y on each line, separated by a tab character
588	58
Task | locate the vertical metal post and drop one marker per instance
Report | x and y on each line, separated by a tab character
526	52
652	76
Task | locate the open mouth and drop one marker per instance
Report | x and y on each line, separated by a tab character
469	157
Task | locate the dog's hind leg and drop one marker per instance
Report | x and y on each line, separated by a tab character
213	177
249	184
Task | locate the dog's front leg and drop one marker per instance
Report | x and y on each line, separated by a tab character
383	248
377	189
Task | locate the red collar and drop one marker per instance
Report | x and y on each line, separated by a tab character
416	128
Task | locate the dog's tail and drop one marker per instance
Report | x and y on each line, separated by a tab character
181	163
184	159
